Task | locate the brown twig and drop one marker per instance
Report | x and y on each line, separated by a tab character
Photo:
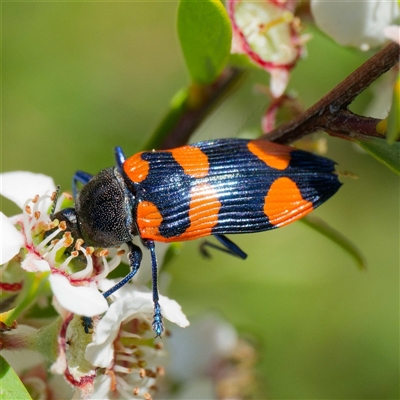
194	113
331	114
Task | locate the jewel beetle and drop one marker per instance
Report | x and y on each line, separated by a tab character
216	187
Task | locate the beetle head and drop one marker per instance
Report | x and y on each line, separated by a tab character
103	213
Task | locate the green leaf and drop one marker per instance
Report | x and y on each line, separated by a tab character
242	61
335	236
34	284
393	120
11	385
205	35
386	153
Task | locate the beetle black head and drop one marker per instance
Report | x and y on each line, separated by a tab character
103	213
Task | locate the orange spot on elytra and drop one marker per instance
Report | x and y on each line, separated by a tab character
193	161
136	168
274	155
148	220
203	215
203	212
284	203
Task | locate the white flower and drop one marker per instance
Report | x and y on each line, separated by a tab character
209	361
113	356
77	292
124	344
267	31
356	23
12	240
18	186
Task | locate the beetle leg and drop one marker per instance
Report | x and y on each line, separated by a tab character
80	177
119	157
158	326
87	324
227	247
135	258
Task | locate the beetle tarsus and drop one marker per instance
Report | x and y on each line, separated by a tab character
157	325
87	323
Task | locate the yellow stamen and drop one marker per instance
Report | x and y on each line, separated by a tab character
147	396
78	244
67	196
68	241
285	18
89	250
63	225
160	370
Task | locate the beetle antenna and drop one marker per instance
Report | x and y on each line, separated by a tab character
55	197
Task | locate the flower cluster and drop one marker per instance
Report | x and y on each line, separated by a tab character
270	34
119	358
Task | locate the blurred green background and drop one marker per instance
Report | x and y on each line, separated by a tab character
80	78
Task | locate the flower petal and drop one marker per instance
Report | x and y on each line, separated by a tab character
34	263
194	350
172	311
279	81
19	186
102	387
101	351
11	240
81	300
392	32
355	23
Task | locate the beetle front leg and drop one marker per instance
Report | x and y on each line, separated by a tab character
80	177
135	258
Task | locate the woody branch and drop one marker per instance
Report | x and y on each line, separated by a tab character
330	113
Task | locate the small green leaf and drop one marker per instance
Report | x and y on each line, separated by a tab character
242	61
205	35
335	236
393	120
386	153
11	386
